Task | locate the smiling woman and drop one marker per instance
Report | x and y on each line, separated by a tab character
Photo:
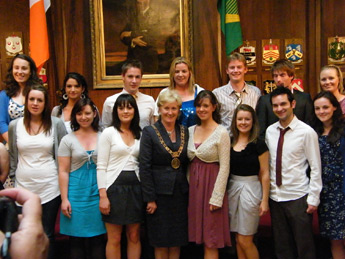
182	81
22	73
121	202
331	79
330	126
80	216
74	88
163	166
209	153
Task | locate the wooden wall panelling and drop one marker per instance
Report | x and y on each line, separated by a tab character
313	48
272	19
208	71
14	17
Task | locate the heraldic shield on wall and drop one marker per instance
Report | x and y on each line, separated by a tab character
248	50
336	50
294	51
270	51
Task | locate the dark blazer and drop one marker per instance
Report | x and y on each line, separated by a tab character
156	174
303	110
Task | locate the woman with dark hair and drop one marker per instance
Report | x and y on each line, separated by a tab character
21	73
33	146
118	178
80	216
182	81
163	167
249	183
330	125
209	151
74	88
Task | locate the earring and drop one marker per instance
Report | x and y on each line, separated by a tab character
65	97
82	96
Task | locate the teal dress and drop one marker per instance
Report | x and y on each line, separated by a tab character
86	220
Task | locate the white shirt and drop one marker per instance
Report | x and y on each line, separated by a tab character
227	98
115	156
146	105
36	170
300	148
55	112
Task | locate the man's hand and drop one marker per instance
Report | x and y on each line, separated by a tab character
311	209
138	41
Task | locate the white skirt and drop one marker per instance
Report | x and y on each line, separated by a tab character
245	194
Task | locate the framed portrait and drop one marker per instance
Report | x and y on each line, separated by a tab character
152	31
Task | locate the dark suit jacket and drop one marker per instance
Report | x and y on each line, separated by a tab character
156	174
303	110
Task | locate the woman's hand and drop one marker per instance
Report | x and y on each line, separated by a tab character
104	205
264	208
151	207
66	208
214	207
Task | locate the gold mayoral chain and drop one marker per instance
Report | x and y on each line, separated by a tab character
175	162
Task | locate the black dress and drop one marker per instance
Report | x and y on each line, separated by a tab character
167	186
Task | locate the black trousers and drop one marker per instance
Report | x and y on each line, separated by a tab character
49	213
292	229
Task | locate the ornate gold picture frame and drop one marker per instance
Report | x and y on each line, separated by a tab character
117	27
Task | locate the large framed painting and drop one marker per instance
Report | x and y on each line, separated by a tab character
152	31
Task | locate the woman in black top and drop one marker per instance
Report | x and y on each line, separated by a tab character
249	181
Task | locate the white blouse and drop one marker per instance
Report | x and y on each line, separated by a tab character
115	156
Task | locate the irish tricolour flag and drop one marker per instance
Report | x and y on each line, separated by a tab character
39	47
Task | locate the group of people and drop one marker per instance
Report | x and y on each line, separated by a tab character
194	165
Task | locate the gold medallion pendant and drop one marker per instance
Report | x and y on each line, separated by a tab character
175	163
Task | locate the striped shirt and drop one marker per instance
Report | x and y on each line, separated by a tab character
228	100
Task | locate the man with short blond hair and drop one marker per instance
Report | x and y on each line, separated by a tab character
237	91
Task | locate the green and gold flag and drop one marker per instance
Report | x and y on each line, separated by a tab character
230	24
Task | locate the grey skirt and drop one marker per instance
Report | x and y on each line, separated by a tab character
245	194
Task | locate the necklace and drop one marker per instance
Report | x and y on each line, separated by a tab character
35	132
170	132
175	162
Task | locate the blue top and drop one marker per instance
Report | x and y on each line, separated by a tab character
4	116
188	112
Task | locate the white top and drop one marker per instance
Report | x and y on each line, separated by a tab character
227	98
146	105
198	90
55	113
115	156
216	148
300	148
36	169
